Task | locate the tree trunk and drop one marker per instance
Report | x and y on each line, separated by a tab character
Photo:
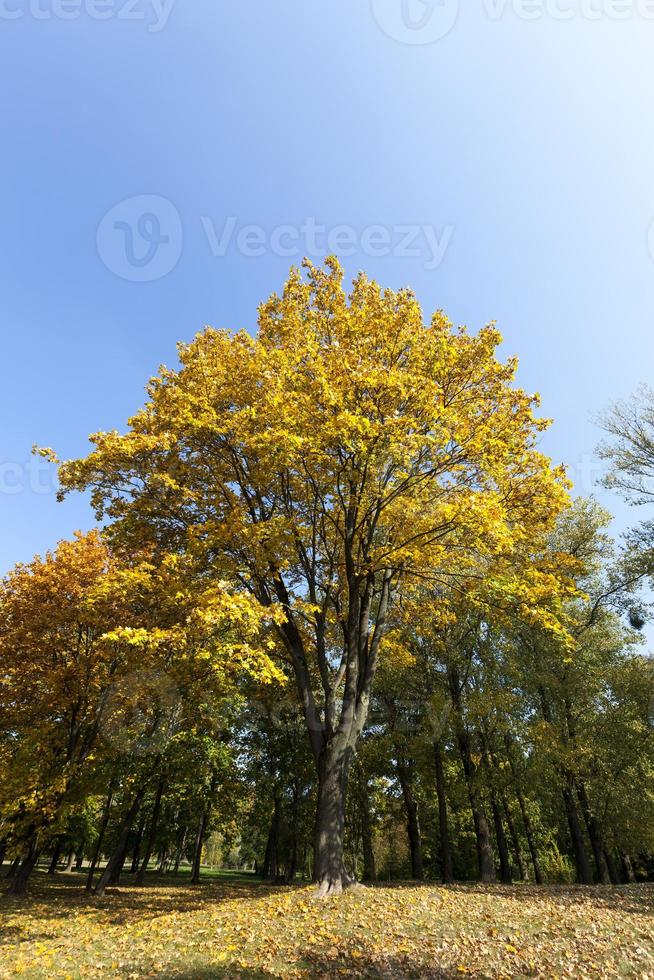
13	867
56	854
152	833
291	869
502	847
197	850
595	835
515	840
369	870
328	865
485	857
103	827
136	850
271	857
405	775
180	850
24	869
70	862
614	875
445	847
117	859
628	868
584	873
531	840
79	861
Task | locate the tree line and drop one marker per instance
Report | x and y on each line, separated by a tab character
342	616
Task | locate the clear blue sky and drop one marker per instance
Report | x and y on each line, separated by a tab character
518	151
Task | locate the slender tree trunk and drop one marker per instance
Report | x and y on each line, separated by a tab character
56	854
405	776
79	860
98	844
628	868
594	834
502	847
202	829
69	862
180	850
24	869
515	839
152	833
136	850
328	866
117	859
197	850
444	844
584	873
291	869
271	857
485	857
531	839
369	870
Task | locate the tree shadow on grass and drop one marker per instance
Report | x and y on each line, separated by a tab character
56	897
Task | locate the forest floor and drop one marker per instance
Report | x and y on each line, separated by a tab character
234	926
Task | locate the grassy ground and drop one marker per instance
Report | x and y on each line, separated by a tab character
236	927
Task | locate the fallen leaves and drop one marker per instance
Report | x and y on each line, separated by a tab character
237	928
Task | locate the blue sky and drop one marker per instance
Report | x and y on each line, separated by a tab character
165	161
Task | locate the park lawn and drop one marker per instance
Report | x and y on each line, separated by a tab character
237	927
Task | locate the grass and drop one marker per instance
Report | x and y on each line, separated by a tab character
235	926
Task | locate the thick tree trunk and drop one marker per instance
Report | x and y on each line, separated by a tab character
23	871
444	843
405	776
56	854
328	866
502	847
594	834
584	873
13	867
152	833
117	859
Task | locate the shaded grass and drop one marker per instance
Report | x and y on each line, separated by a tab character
234	925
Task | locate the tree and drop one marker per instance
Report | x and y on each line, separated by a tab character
344	450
